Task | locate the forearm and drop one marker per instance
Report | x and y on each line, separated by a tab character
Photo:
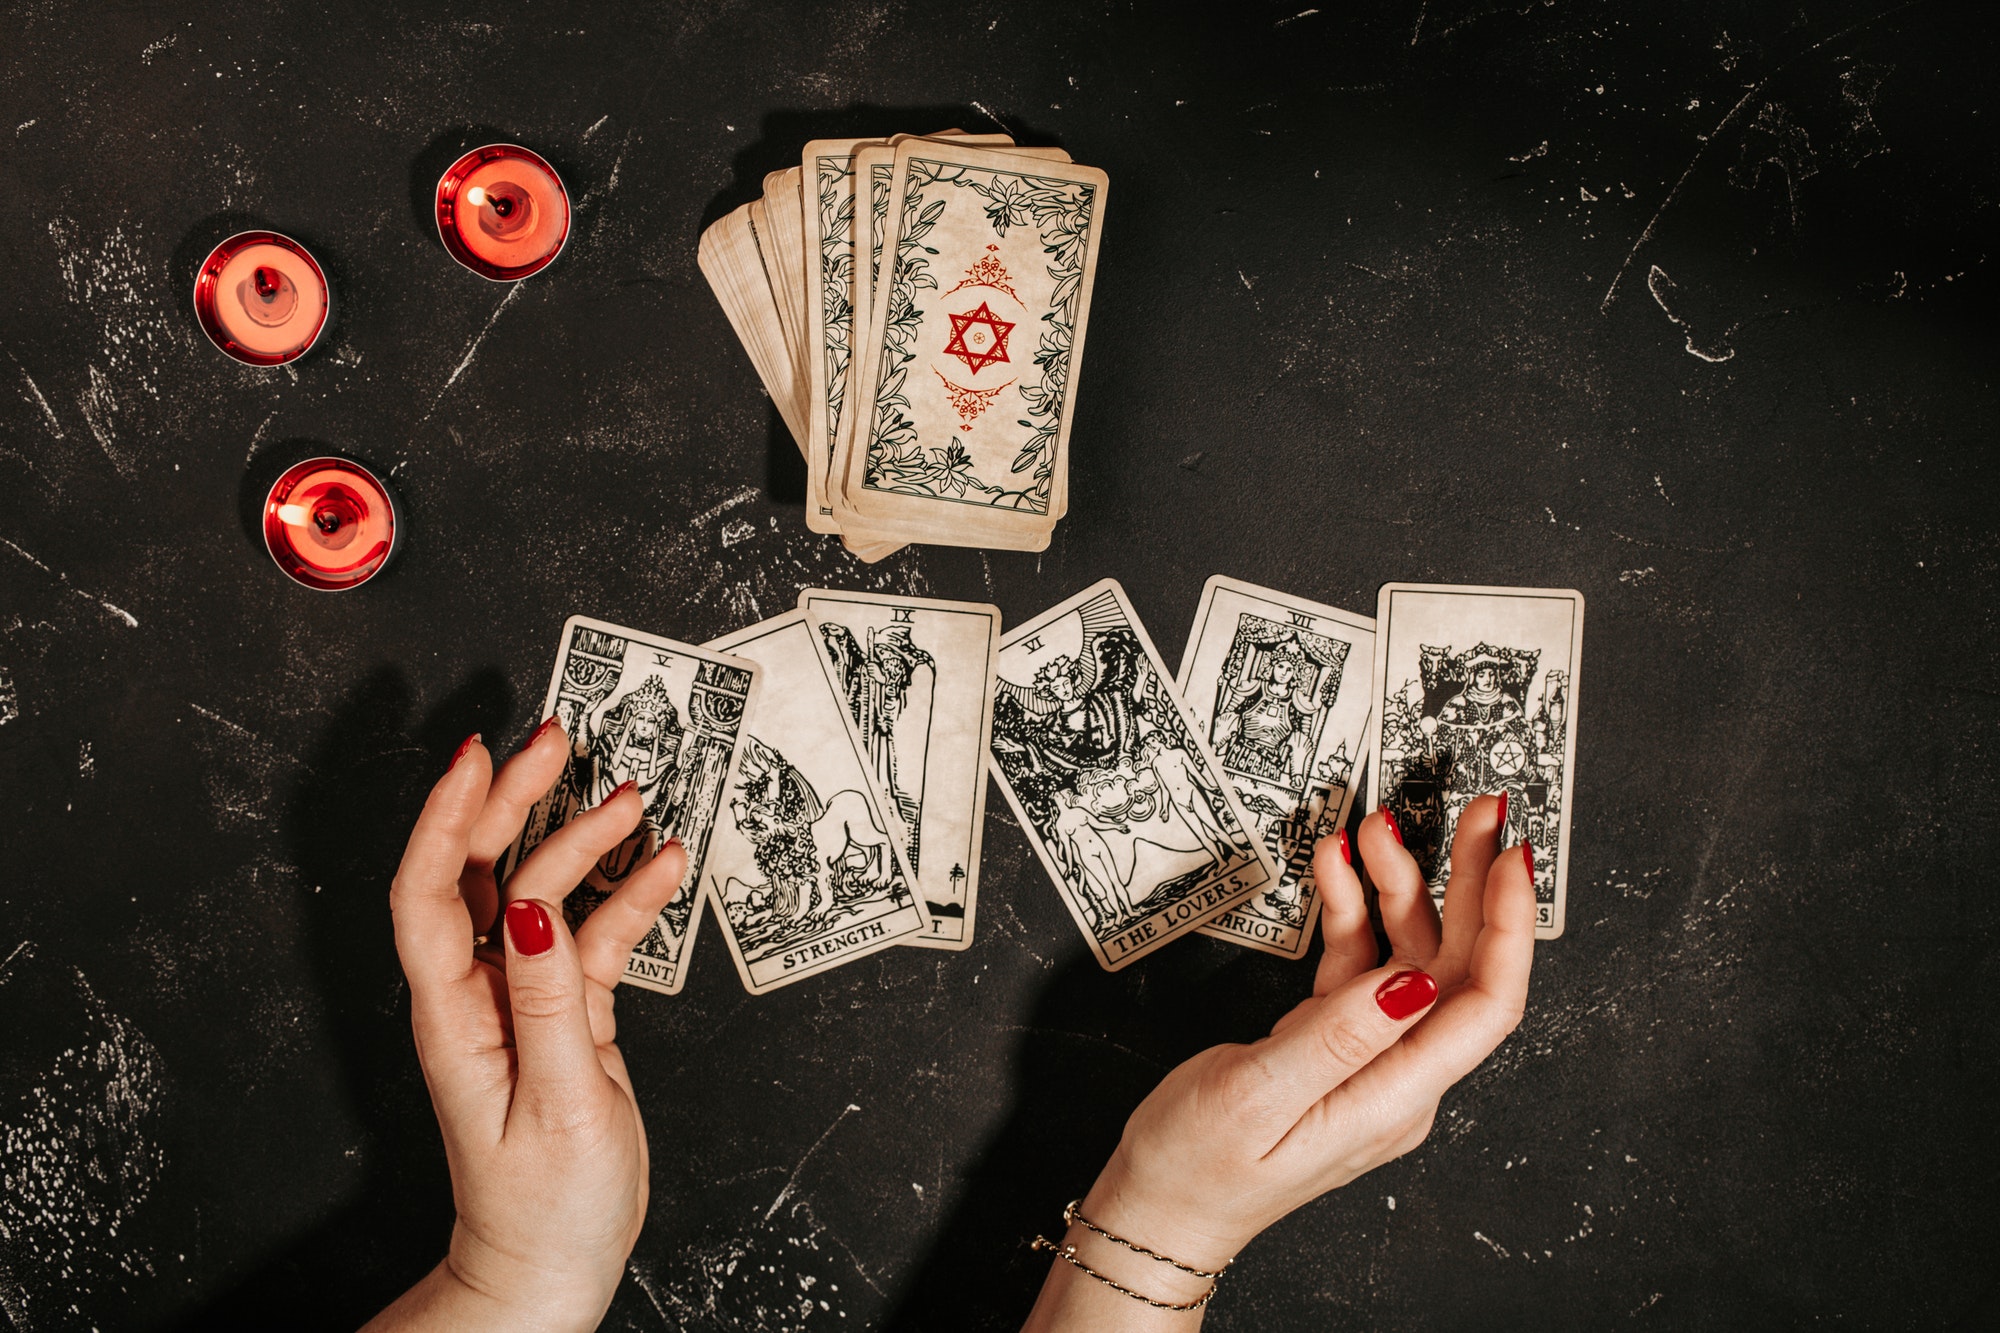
442	1301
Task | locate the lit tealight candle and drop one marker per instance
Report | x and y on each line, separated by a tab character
261	298
330	524
502	212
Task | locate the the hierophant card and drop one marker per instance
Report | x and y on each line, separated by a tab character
917	677
1110	777
667	716
804	872
1475	693
1279	686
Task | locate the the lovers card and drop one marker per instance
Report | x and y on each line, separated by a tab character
1475	693
1279	687
917	677
1110	777
804	872
667	716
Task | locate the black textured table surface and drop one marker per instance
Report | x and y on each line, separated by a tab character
1691	311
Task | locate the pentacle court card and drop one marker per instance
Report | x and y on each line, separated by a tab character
1279	686
804	874
1475	693
1109	775
667	716
916	676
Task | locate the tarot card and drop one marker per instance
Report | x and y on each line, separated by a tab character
1109	775
917	676
1475	693
731	258
1279	687
667	716
804	873
969	376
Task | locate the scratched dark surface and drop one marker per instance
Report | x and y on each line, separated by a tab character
1692	312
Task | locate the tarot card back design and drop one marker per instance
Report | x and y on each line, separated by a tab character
917	677
667	716
1107	772
805	873
1475	694
1280	687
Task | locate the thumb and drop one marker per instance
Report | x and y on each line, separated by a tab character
1336	1034
557	1060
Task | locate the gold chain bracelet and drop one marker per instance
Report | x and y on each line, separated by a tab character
1067	1253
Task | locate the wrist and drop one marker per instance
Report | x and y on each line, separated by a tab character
1164	1221
523	1295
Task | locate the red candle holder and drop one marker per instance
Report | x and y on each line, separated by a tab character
330	524
502	212
261	298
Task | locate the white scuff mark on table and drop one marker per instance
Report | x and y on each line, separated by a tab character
738	531
36	389
165	43
1302	14
1540	150
472	349
597	125
992	115
792	1183
63	579
222	721
26	124
1492	1244
1661	286
259	436
86	762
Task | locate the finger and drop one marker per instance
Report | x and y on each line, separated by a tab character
606	940
1474	846
1473	1019
1343	916
556	1058
522	781
1333	1038
566	856
433	930
1409	916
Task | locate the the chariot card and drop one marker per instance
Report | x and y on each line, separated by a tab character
804	872
917	677
1279	687
668	716
977	330
1475	693
1111	779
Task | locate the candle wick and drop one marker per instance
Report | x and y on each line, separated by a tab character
267	281
503	206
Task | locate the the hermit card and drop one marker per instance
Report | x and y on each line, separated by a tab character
804	873
667	716
1475	693
1279	686
1110	777
917	677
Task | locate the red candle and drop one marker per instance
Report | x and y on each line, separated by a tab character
261	298
330	524
502	212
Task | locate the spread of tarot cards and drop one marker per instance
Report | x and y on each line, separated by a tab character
916	308
826	769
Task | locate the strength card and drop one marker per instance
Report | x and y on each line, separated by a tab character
1110	778
667	716
1279	687
1475	693
917	677
804	874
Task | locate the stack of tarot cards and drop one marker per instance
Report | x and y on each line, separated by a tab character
826	769
916	308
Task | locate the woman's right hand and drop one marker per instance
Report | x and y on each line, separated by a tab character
1240	1135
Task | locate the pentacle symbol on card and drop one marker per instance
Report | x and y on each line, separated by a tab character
988	271
978	338
970	404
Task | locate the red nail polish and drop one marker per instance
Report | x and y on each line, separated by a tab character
547	725
674	841
618	791
1528	856
528	926
1404	994
1503	818
1346	853
1389	820
459	753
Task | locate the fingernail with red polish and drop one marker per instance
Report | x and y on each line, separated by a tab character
459	753
622	788
528	926
1389	820
1346	854
1528	856
1400	996
1503	818
548	725
674	841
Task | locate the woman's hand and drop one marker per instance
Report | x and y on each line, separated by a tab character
547	1155
1239	1136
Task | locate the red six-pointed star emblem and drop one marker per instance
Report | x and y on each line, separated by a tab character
978	338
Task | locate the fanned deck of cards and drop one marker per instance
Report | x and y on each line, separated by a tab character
916	308
826	768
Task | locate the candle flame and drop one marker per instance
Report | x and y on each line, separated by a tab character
296	515
476	196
